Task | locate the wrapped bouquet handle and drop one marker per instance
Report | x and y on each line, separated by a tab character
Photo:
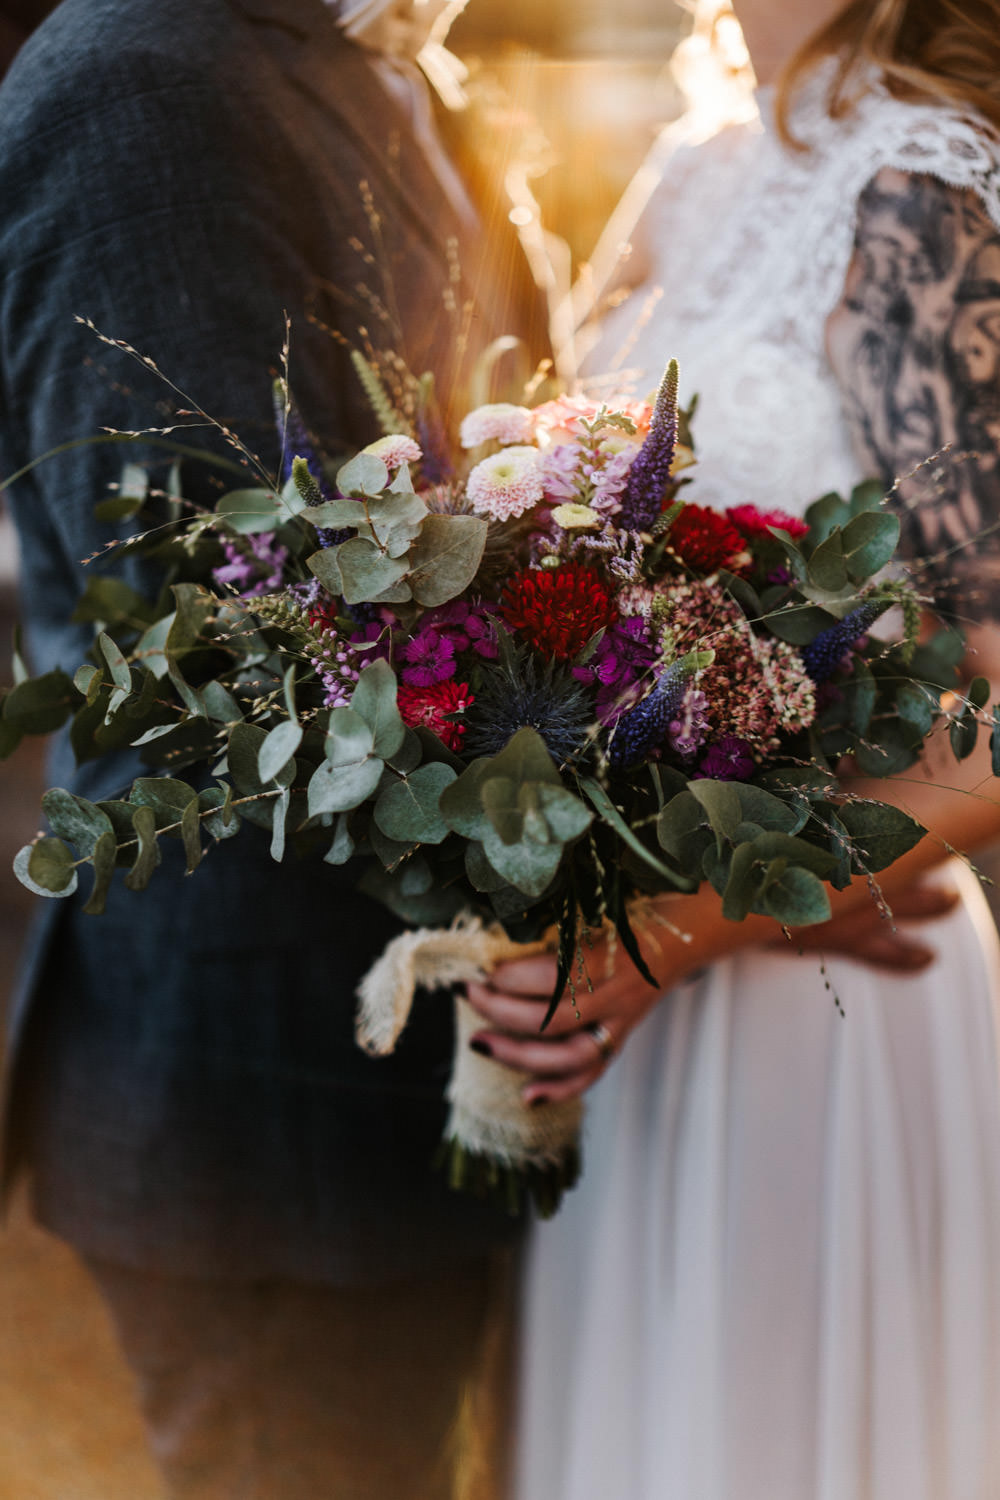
494	1143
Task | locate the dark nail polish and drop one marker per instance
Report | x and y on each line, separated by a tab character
537	1100
483	1048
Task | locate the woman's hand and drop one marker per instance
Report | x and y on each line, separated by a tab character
583	1035
571	1053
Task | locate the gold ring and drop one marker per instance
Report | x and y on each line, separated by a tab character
602	1039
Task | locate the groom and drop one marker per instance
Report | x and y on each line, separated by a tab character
300	1298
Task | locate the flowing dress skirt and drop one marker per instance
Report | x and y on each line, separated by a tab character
780	1277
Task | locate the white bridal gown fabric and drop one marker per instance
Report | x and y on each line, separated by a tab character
780	1277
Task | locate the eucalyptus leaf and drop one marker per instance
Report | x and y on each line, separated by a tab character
879	832
277	748
104	857
721	801
221	821
445	557
529	867
363	475
828	565
339	788
365	571
797	899
279	816
22	862
191	835
374	700
870	541
324	566
917	705
40	705
409	810
250	512
148	857
799	624
167	797
565	814
342	848
773	813
461	803
51	865
75	819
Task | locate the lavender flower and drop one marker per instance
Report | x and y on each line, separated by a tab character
824	654
646	726
642	498
254	567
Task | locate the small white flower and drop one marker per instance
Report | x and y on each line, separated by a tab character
505	485
499	422
395	450
575	517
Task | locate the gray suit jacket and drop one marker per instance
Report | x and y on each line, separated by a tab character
183	1078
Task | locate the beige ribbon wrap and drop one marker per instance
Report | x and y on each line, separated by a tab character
488	1116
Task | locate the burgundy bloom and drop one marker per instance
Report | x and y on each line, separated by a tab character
704	539
728	760
433	707
558	609
429	658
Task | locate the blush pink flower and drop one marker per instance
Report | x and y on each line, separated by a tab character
499	422
506	485
395	449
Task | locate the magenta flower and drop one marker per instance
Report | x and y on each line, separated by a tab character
728	760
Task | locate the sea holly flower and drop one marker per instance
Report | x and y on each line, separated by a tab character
435	708
506	485
558	610
521	693
499	422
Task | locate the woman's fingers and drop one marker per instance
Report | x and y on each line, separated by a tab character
556	1059
924	902
525	1016
553	1090
526	976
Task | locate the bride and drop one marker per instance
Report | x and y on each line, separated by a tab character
780	1278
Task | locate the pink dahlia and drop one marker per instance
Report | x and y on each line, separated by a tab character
395	450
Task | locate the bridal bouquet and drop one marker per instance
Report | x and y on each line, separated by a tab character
526	690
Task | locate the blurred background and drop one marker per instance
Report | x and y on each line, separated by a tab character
589	88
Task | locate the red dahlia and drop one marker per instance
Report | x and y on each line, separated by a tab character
704	539
754	522
432	707
558	609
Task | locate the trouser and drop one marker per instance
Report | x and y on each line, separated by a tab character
275	1391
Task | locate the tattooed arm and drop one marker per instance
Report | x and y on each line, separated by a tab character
915	345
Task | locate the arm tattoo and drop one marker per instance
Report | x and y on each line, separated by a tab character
915	345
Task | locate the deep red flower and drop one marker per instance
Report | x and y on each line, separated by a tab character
755	523
558	609
704	539
431	707
323	615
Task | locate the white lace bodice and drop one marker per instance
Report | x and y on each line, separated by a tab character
750	243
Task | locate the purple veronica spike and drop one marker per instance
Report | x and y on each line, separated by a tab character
298	445
645	727
642	498
435	463
823	655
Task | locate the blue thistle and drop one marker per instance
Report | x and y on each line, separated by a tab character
298	444
516	692
825	652
644	727
649	476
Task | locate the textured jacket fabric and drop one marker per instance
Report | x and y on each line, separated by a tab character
182	1075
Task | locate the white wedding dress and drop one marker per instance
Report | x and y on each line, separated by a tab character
780	1276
